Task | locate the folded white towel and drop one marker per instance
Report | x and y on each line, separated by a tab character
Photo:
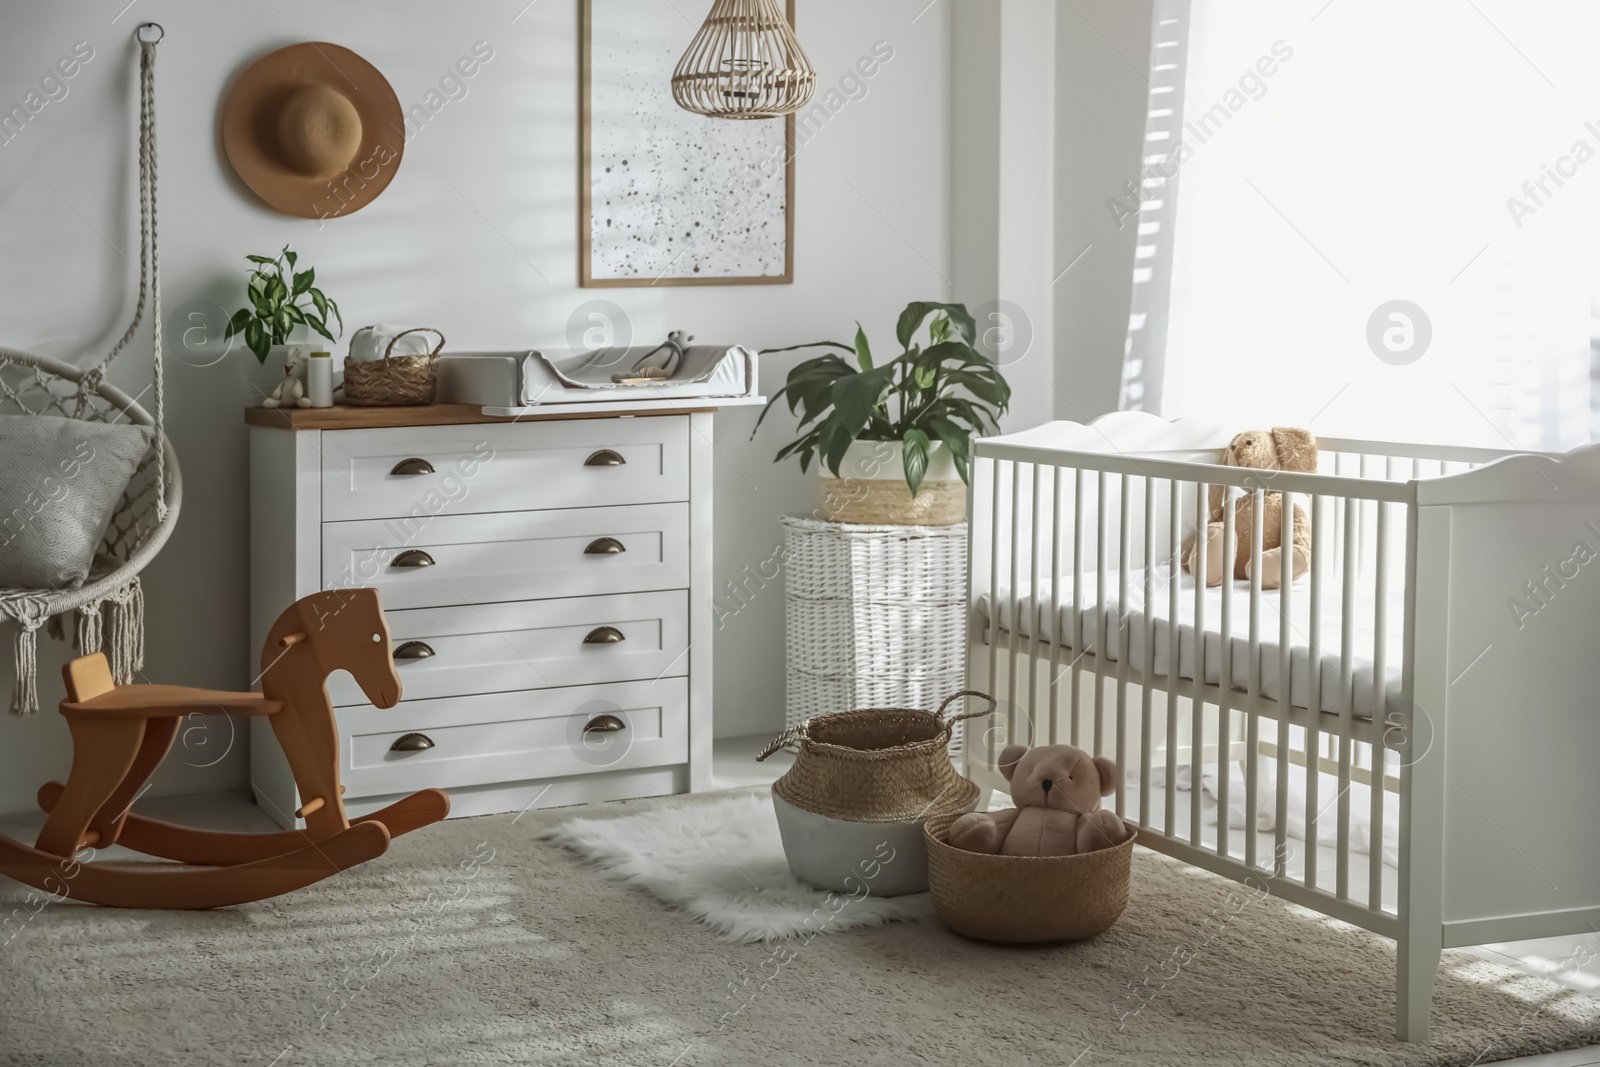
368	344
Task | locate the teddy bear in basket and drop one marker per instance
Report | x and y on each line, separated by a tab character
1057	789
1279	449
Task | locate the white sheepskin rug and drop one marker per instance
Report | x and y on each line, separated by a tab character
722	863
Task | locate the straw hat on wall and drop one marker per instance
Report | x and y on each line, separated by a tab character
313	129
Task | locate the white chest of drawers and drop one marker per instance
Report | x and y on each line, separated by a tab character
540	578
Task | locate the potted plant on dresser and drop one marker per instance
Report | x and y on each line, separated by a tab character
894	436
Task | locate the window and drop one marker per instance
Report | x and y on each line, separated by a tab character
1375	219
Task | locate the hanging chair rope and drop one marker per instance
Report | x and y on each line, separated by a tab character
109	606
149	265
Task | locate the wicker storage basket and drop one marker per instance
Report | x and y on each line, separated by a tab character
1025	899
851	808
393	381
876	616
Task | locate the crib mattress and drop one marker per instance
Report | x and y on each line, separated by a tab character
1035	620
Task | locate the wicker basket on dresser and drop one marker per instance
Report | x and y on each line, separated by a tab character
538	576
877	616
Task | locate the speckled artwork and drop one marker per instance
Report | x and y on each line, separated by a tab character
673	196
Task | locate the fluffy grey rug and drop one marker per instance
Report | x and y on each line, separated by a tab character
472	942
722	862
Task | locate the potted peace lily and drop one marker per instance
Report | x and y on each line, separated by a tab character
895	436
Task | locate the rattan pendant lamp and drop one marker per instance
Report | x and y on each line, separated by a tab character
744	63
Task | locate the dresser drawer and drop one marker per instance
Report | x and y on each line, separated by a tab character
433	470
458	560
511	737
536	644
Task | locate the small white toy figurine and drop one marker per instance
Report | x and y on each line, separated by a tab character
659	363
291	392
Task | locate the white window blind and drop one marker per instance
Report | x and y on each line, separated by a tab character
1385	224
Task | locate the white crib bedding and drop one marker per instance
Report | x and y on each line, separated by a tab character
1036	620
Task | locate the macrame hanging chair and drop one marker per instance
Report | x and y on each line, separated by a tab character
107	610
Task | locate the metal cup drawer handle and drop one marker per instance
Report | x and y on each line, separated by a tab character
605	546
412	557
606	457
412	743
604	724
604	635
412	466
414	650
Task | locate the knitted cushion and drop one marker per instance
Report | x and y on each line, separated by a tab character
60	482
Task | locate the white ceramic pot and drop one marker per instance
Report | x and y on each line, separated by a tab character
881	859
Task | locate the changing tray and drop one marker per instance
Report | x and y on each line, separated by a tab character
506	383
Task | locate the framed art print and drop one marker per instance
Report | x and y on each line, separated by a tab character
668	197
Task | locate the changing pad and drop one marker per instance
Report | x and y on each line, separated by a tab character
533	378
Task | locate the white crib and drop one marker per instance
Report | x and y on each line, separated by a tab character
1437	672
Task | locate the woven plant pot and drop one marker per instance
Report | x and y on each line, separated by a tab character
393	381
872	489
851	808
1026	899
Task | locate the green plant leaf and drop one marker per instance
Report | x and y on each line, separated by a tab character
236	323
289	256
255	335
915	453
295	314
856	398
833	441
264	260
912	317
863	351
277	291
808	385
320	326
302	282
282	325
335	309
320	302
258	297
956	439
810	344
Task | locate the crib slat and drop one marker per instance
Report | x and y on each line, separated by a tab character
1057	638
1253	722
1012	726
1314	715
1282	730
1148	667
1036	629
1380	635
1174	545
1230	560
1101	644
1077	595
994	594
1347	617
1122	646
1196	700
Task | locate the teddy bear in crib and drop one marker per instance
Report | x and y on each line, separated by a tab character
291	392
1279	449
1057	789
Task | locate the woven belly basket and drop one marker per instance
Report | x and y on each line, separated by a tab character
851	808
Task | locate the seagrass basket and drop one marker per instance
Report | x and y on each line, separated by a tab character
394	381
851	808
1026	899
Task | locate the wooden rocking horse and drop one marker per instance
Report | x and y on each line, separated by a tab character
120	734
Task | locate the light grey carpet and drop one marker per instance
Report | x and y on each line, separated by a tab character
472	943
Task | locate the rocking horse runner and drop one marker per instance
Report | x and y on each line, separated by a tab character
120	734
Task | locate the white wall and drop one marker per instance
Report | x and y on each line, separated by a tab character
476	235
1103	94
